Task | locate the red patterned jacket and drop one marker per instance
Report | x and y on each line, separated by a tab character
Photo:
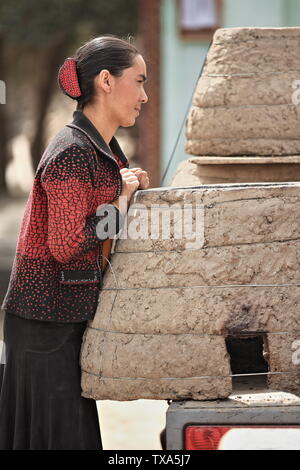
56	274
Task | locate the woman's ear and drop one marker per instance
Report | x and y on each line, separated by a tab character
103	80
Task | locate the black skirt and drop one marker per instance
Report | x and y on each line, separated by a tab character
41	406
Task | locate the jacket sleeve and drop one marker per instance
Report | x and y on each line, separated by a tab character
67	181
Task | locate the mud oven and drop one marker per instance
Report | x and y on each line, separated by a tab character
178	319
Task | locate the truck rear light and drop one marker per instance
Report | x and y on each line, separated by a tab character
203	437
242	437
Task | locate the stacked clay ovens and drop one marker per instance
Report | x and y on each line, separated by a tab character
170	312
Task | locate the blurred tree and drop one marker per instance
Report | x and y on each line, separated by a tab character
39	34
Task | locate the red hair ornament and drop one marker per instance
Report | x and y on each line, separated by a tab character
68	79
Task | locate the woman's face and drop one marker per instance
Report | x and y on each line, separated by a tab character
128	94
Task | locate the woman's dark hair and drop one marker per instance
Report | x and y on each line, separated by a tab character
103	52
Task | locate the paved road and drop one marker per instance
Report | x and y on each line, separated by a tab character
129	425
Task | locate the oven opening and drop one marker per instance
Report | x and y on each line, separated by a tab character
248	355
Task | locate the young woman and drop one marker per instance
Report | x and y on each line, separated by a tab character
57	271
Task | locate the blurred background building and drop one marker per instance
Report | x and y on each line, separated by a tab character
172	35
187	27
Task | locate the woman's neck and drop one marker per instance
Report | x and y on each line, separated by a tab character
100	120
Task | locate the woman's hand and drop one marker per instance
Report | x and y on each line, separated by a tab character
142	176
132	179
130	184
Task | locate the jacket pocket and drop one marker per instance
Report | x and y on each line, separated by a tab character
79	277
79	291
